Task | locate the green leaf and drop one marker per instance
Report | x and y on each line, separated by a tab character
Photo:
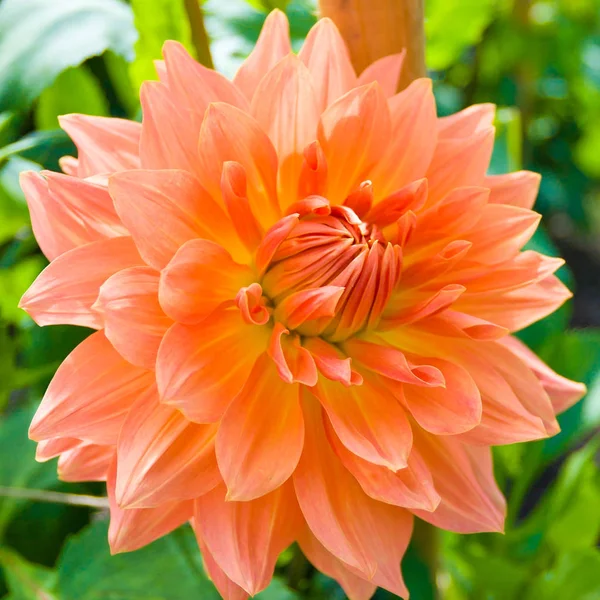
451	26
14	283
13	209
277	591
574	577
268	5
22	470
75	90
42	147
156	22
168	569
26	581
40	39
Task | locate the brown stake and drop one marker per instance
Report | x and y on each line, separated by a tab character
375	28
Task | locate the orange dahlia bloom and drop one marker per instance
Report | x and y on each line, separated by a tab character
304	287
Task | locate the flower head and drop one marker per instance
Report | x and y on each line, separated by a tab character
304	286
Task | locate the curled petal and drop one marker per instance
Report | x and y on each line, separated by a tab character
308	305
312	180
294	363
253	305
331	362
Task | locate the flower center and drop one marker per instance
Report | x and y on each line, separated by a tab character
333	257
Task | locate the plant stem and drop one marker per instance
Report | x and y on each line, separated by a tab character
199	35
57	497
426	541
376	28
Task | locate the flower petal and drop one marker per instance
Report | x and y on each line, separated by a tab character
355	586
413	136
229	134
463	475
66	289
349	524
261	435
369	421
272	45
165	209
326	56
466	122
459	162
515	189
87	462
453	409
294	363
199	278
90	394
201	368
162	457
104	144
563	392
245	538
385	71
352	134
133	319
411	487
228	589
133	528
285	106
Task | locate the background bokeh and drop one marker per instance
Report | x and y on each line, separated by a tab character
539	61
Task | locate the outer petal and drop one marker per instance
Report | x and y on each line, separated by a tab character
162	457
104	144
229	134
67	212
516	189
352	526
167	141
49	449
165	209
66	289
327	58
245	538
87	462
352	133
563	392
90	394
133	319
412	139
201	368
133	528
261	435
368	420
459	162
518	308
201	277
228	589
272	45
385	71
356	587
285	106
466	122
411	487
463	476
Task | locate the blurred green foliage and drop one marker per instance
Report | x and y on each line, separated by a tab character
538	60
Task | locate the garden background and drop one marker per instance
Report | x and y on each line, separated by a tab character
539	61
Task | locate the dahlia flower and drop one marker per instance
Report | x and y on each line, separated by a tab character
303	286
